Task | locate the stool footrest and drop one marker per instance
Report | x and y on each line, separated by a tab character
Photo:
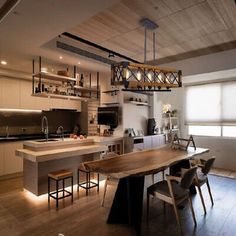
90	184
67	195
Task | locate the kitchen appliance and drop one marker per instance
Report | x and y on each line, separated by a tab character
151	126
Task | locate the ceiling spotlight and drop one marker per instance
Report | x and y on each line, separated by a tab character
3	62
60	57
78	63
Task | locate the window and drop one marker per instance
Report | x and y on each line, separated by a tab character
210	109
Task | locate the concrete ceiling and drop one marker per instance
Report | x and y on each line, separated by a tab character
33	23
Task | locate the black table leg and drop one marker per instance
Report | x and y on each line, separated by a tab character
128	203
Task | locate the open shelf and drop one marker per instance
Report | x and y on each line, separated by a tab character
111	104
59	96
139	103
54	77
86	89
112	91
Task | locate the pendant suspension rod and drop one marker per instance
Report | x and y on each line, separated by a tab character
145	44
154	46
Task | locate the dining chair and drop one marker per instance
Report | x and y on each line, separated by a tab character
201	178
108	178
174	190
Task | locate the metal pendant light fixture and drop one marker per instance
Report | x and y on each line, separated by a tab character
138	77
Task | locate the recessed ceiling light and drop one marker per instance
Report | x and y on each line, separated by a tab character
60	57
3	62
78	62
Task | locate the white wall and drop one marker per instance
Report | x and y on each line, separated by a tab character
223	66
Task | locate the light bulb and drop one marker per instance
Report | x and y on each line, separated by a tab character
139	76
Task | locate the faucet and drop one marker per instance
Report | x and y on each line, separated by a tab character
45	126
60	131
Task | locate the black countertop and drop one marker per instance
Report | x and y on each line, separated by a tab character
23	137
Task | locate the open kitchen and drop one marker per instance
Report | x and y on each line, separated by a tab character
117	117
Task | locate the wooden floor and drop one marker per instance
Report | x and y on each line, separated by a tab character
21	213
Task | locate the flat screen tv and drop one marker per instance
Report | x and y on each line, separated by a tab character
108	116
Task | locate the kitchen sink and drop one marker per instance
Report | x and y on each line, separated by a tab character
44	140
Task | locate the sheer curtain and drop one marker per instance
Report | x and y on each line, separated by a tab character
211	104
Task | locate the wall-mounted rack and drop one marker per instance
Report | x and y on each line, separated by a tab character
63	87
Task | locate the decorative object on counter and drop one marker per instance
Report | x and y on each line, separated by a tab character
106	133
166	108
177	143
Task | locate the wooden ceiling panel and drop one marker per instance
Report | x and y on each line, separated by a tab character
185	26
153	9
198	20
226	10
178	5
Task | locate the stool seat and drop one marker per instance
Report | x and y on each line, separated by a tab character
60	174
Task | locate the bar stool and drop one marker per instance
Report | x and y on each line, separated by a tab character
58	176
87	184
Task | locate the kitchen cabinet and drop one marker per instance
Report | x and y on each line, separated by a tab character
158	140
10	93
147	142
9	162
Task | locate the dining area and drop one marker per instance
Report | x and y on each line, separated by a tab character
130	171
138	199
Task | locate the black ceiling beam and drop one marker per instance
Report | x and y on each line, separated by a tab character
77	38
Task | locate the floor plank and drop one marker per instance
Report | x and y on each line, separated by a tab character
22	213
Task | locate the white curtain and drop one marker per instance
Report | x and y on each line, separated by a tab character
211	104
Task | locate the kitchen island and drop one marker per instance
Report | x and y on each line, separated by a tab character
41	157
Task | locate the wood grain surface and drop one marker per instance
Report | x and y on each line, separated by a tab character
141	163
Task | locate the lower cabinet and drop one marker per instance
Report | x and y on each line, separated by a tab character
9	162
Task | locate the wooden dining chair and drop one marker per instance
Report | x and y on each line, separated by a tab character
174	190
108	178
201	178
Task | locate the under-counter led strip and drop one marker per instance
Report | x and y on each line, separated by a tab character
20	110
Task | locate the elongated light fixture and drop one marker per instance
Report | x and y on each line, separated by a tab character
139	77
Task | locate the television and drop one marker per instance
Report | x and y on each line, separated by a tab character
108	116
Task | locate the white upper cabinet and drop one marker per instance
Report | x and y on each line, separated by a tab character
10	93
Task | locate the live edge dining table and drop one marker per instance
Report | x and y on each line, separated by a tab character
130	169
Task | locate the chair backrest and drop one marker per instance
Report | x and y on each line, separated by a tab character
208	165
187	178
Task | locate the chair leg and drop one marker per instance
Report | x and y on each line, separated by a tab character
177	217
148	200
104	193
164	207
192	210
153	178
203	203
209	190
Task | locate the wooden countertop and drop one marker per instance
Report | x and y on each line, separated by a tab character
59	152
141	163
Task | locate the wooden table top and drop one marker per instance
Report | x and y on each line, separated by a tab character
142	162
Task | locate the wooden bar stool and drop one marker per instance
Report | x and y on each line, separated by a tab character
58	176
87	184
